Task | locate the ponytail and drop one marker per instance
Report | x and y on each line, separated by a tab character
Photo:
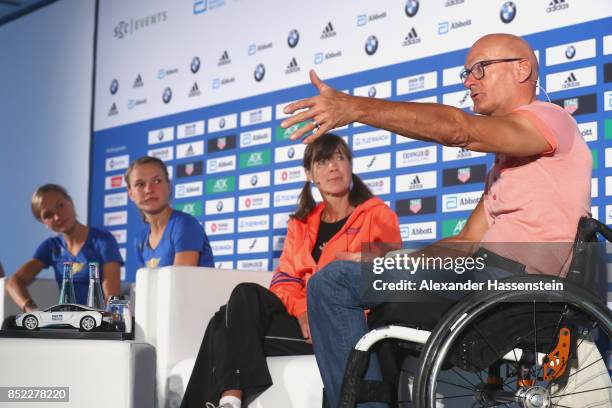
306	203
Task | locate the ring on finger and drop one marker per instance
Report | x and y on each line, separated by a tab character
315	123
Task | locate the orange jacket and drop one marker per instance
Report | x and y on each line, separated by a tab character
372	221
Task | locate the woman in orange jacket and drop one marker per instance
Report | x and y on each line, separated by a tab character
257	322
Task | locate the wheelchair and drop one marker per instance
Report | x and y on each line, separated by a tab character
498	349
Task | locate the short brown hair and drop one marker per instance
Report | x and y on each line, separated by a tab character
39	195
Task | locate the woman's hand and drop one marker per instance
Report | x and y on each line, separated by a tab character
348	256
303	321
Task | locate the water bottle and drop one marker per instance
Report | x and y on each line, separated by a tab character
119	308
95	296
67	293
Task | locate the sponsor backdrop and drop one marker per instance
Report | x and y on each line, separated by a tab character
202	85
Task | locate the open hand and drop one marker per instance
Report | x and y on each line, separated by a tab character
329	110
348	256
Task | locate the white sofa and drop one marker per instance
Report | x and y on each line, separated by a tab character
172	309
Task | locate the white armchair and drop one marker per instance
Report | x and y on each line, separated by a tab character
173	307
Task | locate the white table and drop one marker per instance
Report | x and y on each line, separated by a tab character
99	373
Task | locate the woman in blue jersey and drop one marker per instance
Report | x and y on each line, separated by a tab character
75	243
170	237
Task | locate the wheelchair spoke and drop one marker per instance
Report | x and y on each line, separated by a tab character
455	396
497	353
583	368
580	392
594	326
464	379
561	317
457	385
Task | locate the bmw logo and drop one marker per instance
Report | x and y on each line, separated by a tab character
507	12
222	123
114	86
570	52
293	38
167	96
371	45
372	92
412	7
219	205
260	72
195	64
254	180
291	152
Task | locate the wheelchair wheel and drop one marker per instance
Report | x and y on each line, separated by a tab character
519	349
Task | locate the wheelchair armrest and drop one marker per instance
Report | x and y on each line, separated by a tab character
589	227
604	230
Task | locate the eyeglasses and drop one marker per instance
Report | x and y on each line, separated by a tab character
478	71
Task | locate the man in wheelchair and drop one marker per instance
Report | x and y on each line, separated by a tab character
531	349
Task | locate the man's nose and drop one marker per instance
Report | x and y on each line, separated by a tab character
469	81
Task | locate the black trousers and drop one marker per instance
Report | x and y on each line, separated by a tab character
254	324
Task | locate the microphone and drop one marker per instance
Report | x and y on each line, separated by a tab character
542	89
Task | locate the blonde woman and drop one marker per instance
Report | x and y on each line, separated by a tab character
74	242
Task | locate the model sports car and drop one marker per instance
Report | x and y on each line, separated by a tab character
77	316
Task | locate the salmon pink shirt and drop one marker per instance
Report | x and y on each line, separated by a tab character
540	199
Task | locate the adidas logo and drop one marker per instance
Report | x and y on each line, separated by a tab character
225	59
292	67
416	183
138	82
411	38
113	110
570	82
195	90
556	5
328	31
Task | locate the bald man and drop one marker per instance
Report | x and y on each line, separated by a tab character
536	191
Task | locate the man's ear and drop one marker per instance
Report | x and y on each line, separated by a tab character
524	71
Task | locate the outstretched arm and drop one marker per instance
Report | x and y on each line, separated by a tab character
510	134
